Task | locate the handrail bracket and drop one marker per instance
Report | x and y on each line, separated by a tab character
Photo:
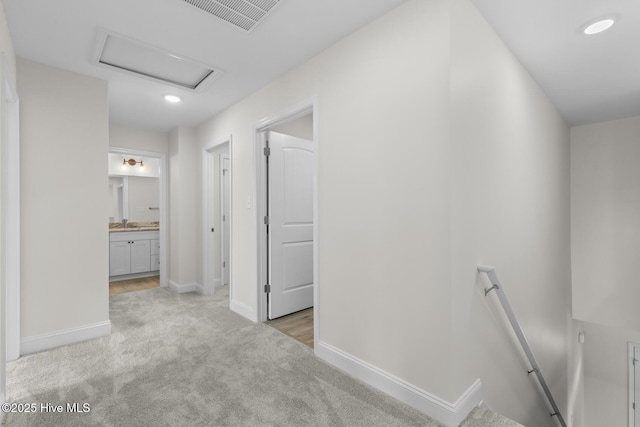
493	288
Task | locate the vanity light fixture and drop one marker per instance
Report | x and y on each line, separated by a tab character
599	26
132	162
172	98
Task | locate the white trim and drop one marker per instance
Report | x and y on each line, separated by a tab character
221	197
631	382
10	201
182	288
133	276
449	414
208	173
217	283
164	207
3	399
198	288
301	109
243	310
51	340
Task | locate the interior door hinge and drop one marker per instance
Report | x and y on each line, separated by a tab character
224	218
224	264
267	288
267	151
267	221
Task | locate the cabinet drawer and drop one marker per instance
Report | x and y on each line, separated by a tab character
155	247
155	262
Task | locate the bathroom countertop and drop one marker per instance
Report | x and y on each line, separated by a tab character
116	227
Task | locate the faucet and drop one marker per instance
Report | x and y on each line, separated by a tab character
125	223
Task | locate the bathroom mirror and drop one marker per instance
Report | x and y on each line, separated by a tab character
135	198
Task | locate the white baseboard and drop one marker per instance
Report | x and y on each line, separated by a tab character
217	283
181	288
51	340
134	276
243	310
449	414
199	288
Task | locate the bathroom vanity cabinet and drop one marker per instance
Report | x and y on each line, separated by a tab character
133	252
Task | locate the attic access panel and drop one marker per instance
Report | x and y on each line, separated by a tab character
244	14
137	58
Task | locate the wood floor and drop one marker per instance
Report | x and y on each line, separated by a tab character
297	325
132	285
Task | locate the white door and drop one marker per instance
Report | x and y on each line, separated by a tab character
290	230
226	211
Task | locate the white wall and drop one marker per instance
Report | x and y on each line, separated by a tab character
138	139
6	46
605	198
150	167
64	239
437	151
605	202
6	43
183	218
383	237
300	128
606	375
510	209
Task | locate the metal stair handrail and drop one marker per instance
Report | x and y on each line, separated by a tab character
535	368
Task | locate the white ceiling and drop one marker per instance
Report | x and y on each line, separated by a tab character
65	33
589	79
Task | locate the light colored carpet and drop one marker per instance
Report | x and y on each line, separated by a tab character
483	417
186	360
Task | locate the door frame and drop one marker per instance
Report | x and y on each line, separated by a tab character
208	199
223	205
10	201
260	198
164	207
632	390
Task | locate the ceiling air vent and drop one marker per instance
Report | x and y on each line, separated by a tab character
243	14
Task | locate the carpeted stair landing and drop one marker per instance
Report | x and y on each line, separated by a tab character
186	360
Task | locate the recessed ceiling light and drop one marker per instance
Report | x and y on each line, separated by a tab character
598	26
172	98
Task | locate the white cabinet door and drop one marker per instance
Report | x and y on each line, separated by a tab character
119	258
140	256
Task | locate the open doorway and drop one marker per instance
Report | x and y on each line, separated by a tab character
217	216
287	224
137	218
